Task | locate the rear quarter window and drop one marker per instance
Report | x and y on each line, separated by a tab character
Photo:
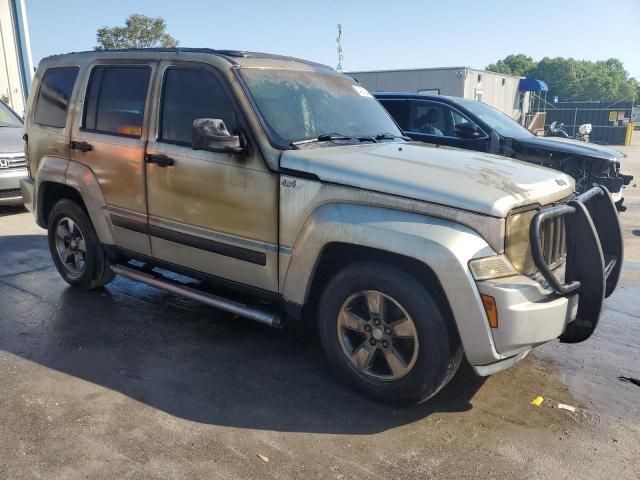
54	95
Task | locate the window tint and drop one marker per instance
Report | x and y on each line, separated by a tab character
428	118
436	119
458	118
191	94
399	110
53	97
116	99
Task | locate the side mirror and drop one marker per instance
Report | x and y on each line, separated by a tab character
467	130
211	134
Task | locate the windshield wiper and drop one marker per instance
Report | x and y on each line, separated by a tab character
390	136
325	137
329	137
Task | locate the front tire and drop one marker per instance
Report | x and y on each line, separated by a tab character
384	335
75	249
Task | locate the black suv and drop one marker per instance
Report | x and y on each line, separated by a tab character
472	125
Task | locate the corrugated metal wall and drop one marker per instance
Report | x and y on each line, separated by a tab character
609	119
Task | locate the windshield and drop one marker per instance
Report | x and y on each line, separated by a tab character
298	105
8	118
498	121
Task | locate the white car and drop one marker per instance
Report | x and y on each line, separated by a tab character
13	166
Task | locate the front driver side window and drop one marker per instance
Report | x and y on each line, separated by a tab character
189	94
427	118
437	119
458	119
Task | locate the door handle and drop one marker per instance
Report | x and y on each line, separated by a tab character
159	159
82	146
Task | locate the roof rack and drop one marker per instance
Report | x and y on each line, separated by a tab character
230	54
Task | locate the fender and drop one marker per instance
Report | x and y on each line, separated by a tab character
445	246
82	179
50	169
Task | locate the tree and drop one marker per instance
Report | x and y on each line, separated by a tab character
571	79
139	31
518	65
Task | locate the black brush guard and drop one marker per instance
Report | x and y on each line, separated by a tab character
594	256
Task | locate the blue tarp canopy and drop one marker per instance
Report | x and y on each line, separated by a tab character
533	85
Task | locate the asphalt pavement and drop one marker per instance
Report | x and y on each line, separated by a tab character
132	382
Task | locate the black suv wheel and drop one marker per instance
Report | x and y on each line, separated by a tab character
75	248
384	334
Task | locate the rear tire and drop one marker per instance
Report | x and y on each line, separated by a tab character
75	249
380	353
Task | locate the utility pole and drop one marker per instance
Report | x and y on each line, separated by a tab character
339	42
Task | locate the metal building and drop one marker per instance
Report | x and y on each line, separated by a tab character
16	65
495	89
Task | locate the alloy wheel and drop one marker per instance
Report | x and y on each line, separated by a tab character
377	335
71	247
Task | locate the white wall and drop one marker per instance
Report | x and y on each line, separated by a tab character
15	55
499	91
449	81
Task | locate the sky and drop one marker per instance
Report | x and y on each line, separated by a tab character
377	35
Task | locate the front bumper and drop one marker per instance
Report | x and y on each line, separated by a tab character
27	186
530	312
10	193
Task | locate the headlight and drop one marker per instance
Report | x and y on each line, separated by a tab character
517	244
491	267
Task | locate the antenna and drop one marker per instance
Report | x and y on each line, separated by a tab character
339	42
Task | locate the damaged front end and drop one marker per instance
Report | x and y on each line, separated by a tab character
588	165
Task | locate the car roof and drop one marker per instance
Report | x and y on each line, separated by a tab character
234	57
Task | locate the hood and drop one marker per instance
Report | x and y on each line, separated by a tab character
573	147
11	140
468	180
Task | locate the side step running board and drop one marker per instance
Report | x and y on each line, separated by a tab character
253	313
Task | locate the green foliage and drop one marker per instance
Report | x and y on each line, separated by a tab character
139	31
518	65
574	80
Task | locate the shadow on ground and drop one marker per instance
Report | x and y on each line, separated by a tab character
187	359
11	210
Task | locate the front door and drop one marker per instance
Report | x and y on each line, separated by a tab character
215	213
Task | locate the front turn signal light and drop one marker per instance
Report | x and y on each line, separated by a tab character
491	309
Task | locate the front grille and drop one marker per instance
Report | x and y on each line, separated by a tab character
13	193
12	162
554	241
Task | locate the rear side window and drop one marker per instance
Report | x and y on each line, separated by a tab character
116	99
190	94
53	98
399	110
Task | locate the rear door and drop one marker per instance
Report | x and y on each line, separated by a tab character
211	212
110	138
49	121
